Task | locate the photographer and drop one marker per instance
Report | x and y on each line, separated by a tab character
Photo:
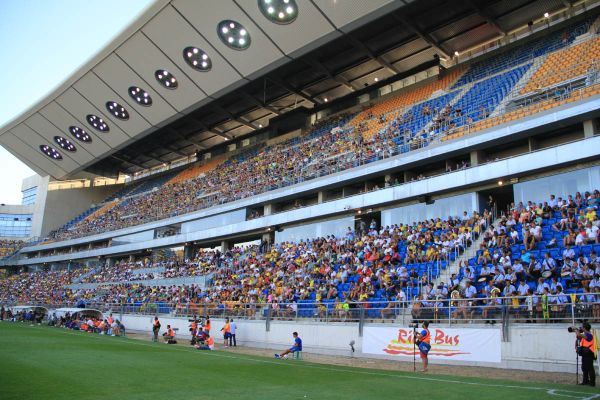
586	349
423	339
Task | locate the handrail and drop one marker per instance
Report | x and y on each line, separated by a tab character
438	309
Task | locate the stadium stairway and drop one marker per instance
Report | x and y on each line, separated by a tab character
515	92
85	275
454	266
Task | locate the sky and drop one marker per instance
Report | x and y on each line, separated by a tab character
42	43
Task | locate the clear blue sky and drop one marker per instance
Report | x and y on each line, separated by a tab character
42	42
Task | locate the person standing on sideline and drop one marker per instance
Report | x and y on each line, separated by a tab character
232	329
423	339
155	329
588	354
226	333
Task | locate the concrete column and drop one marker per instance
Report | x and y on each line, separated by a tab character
110	262
533	144
320	197
477	158
131	258
268	209
224	246
588	129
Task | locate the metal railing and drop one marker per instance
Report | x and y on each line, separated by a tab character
444	311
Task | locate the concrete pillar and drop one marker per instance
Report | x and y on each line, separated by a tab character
268	209
388	178
224	246
320	197
533	144
588	129
110	262
477	158
188	251
131	258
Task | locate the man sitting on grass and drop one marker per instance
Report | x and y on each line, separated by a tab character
296	347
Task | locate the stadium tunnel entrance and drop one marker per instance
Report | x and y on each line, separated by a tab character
499	198
366	220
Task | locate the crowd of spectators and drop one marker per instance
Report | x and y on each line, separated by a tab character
8	247
523	266
376	261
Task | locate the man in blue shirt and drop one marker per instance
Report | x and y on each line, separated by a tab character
296	347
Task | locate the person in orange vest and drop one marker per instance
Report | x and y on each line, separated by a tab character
226	332
209	344
423	339
587	351
169	334
207	325
110	319
155	329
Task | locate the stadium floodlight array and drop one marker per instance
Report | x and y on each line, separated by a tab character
65	144
197	59
80	134
279	11
97	123
117	110
50	152
166	79
140	96
234	35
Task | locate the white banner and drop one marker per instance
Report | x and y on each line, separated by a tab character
446	344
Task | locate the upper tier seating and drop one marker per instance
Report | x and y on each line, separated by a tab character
565	65
524	53
399	124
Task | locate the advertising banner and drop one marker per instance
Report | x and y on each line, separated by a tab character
461	344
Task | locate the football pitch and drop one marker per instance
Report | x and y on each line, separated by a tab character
52	363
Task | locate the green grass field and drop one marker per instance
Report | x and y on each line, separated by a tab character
52	363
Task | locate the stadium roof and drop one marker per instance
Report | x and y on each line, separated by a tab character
236	64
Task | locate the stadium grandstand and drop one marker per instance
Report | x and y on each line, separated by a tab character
344	169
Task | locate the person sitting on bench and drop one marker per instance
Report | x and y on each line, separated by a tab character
169	335
295	348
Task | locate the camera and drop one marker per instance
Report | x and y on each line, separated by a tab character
413	325
572	329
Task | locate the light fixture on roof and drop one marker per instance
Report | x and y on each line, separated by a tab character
50	152
260	125
279	11
117	110
80	134
65	143
166	78
197	59
97	123
140	96
376	79
456	53
546	15
233	35
326	100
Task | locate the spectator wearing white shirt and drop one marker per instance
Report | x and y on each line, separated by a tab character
541	286
470	291
232	331
523	288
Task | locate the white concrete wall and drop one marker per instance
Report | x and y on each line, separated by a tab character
531	347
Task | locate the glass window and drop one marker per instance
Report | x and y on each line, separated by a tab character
29	196
442	208
15	225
